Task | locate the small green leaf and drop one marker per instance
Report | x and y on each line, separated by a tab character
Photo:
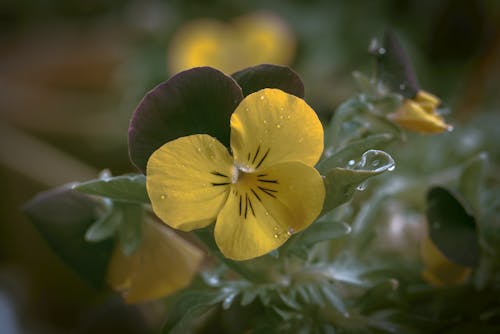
451	228
190	307
126	188
130	232
323	230
341	183
353	150
471	180
105	227
62	216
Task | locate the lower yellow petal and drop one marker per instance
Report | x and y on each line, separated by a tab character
188	180
414	117
265	208
163	264
438	270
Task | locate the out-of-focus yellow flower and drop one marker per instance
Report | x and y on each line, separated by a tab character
246	41
419	114
163	264
261	195
438	270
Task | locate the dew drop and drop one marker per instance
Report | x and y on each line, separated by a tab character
262	97
276	228
266	131
449	128
381	51
246	109
212	157
265	122
288	116
267	213
163	196
281	116
278	125
390	169
290	231
198	149
276	236
351	162
281	108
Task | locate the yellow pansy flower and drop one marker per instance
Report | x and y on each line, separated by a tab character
163	264
419	114
438	270
246	41
266	191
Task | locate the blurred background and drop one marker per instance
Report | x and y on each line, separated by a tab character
72	72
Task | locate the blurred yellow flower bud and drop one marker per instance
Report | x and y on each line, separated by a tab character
419	114
438	270
163	264
246	41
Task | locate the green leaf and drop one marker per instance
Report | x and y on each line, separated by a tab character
62	216
472	178
353	150
341	183
130	232
190	307
126	188
451	228
199	100
323	230
106	226
263	76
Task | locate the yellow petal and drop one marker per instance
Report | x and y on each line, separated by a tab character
163	263
413	117
438	270
265	208
427	101
188	181
271	126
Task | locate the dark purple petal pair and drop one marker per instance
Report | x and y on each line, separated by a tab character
199	100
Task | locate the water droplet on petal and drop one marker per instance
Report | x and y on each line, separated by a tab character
351	162
281	116
262	97
278	125
267	213
288	116
265	121
163	196
276	236
281	108
290	231
449	128
381	51
198	149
